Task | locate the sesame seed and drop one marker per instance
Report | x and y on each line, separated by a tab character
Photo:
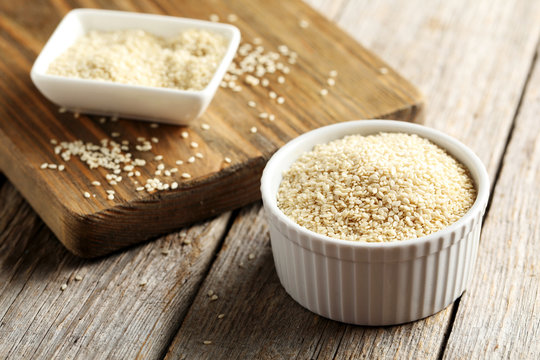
154	125
232	17
137	173
78	277
214	17
110	197
281	79
155	140
141	139
263	115
61	167
102	120
227	160
191	159
221	316
265	82
303	23
63	287
87	194
43	166
53	166
167	173
257	41
210	293
54	141
280	100
199	155
186	176
205	126
62	110
193	144
324	92
253	130
161	166
115	134
207	342
157	172
174	185
213	297
184	134
76	115
271	117
140	188
251	256
158	157
383	70
272	95
331	82
179	162
333	73
187	241
252	104
96	183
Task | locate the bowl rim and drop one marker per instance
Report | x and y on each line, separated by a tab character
274	164
232	46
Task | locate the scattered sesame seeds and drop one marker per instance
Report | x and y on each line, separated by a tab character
253	130
232	18
87	194
54	141
158	157
63	287
187	241
227	160
115	134
252	104
257	41
174	185
303	23
251	256
191	159
205	126
96	183
154	125
78	277
263	115
61	167
207	342
333	73
199	155
155	140
62	110
140	188
214	297
383	70
265	82
214	17
271	117
110	197
281	79
280	100
221	316
323	92
210	292
186	176
179	162
331	82
43	166
102	120
194	144
52	166
76	115
272	95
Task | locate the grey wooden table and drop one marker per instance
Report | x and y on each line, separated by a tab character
477	64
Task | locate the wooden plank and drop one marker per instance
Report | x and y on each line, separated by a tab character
500	314
108	314
96	226
261	321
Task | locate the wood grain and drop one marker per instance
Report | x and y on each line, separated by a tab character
96	226
108	314
261	320
500	313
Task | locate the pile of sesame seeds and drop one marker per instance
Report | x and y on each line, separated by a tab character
377	188
186	61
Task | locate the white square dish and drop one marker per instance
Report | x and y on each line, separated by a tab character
131	101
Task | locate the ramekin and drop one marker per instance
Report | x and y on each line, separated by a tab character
373	283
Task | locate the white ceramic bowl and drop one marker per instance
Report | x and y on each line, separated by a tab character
373	283
133	101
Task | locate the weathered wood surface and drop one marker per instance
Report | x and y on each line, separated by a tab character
125	306
97	226
496	318
501	314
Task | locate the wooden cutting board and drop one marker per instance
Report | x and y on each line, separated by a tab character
365	88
